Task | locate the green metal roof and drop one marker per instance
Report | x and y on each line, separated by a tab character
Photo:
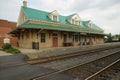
94	26
70	16
38	26
35	14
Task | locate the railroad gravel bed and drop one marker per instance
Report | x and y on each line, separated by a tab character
111	74
84	71
66	63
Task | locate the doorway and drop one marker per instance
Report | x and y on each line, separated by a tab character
55	39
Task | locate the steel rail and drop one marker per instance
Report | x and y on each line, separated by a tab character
92	77
60	71
63	57
66	56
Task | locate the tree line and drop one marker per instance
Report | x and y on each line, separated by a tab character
112	38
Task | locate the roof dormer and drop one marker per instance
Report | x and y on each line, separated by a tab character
54	16
90	24
74	19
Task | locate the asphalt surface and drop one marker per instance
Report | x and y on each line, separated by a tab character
13	67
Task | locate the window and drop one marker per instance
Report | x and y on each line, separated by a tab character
79	38
94	38
22	36
65	37
76	22
75	38
79	22
55	18
42	37
85	38
90	24
72	21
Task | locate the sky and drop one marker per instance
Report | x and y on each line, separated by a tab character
104	13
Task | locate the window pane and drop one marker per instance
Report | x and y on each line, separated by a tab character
76	38
42	37
73	38
76	22
79	38
65	37
55	18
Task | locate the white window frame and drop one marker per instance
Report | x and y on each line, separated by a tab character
53	18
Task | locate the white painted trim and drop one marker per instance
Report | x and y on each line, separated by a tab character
22	18
54	13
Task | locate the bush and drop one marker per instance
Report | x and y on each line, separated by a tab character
9	49
6	47
12	50
16	51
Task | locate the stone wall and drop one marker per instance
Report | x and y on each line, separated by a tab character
27	37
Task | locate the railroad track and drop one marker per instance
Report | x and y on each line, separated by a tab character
86	70
64	56
71	70
102	74
55	58
52	58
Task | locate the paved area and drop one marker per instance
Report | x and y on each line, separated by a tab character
2	53
11	60
13	67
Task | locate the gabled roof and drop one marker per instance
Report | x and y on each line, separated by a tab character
54	12
34	14
70	16
94	26
42	15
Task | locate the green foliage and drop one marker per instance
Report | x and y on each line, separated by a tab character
109	38
12	50
9	49
119	39
6	47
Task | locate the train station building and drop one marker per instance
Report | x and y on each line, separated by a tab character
40	29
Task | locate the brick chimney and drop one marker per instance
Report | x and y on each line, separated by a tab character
25	3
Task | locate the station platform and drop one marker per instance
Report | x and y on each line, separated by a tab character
32	54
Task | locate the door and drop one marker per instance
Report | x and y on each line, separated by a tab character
55	41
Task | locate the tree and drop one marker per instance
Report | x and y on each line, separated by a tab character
109	37
119	37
